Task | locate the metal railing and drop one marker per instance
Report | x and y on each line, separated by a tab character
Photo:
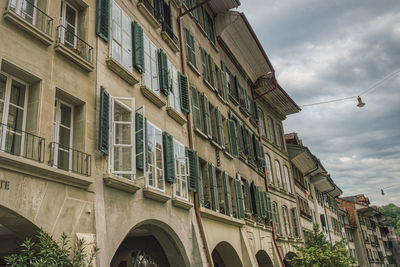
69	159
73	42
31	14
21	143
167	28
147	4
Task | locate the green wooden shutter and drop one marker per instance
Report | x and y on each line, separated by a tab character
227	191
253	192
255	111
204	64
236	88
224	81
206	115
184	92
233	138
140	144
248	203
243	137
220	129
196	108
211	177
323	222
163	72
104	127
262	204
261	156
193	170
295	226
269	205
213	73
103	19
239	199
169	160
138	47
255	147
159	10
246	100
192	50
205	20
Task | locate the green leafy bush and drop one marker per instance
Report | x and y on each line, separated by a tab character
45	252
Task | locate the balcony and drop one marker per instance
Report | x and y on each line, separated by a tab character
169	37
69	159
21	143
30	19
147	9
74	48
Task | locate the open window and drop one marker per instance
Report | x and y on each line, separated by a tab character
181	171
154	158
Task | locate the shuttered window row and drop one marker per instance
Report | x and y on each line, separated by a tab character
190	47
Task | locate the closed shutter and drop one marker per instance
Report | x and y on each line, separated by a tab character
163	72
227	193
206	115
103	19
193	170
295	225
323	222
184	92
204	64
169	160
261	156
236	88
140	141
246	100
224	81
263	210
253	197
188	48
233	138
255	111
196	108
159	10
205	20
239	199
104	127
255	147
138	47
269	205
220	129
257	207
213	186
192	50
248	204
213	73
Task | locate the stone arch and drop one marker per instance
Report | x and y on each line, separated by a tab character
263	259
290	255
14	228
152	241
224	255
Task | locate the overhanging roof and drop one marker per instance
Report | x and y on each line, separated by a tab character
368	211
222	5
302	158
321	182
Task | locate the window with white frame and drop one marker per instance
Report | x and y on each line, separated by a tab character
13	102
155	161
69	21
286	221
287	178
174	96
271	129
150	65
181	171
276	217
25	8
122	153
278	174
121	44
269	168
63	134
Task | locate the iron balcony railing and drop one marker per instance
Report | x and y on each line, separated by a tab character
31	14
21	143
150	7
69	159
73	42
168	29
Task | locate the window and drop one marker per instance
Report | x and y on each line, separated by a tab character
271	130
205	112
295	222
181	171
174	96
63	134
13	102
155	174
122	156
286	221
209	69
26	9
287	178
69	19
280	137
262	122
121	45
150	65
269	169
191	3
247	196
190	48
208	25
277	220
278	174
196	107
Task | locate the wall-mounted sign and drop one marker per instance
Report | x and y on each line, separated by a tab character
5	185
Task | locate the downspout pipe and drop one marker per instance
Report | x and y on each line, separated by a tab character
190	134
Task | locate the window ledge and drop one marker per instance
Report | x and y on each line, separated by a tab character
26	26
120	183
229	155
201	29
233	100
221	98
155	194
121	71
41	170
193	68
215	144
213	45
181	203
179	118
199	132
280	237
244	111
150	95
213	215
74	57
150	18
209	86
174	47
250	222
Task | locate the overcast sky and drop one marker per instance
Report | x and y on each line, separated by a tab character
324	50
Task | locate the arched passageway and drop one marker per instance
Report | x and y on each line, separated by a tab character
152	244
263	259
224	255
290	255
14	229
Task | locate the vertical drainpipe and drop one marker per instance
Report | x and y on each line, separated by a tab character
190	136
267	187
